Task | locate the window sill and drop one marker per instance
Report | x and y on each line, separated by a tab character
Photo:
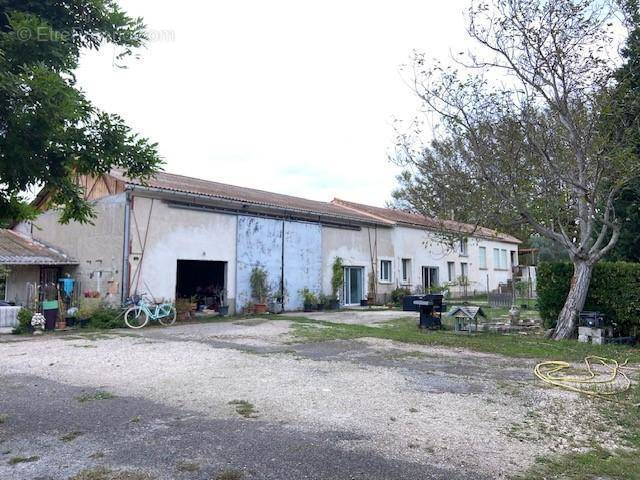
385	282
501	269
481	268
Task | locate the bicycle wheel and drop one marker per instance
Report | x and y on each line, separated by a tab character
135	317
169	317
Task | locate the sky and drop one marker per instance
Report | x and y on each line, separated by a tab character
294	97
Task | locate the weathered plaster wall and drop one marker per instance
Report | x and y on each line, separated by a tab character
97	247
260	243
177	234
302	261
17	280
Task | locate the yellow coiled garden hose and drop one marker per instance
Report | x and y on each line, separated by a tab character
612	382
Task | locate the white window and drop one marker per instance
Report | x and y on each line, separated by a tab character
464	272
503	259
385	271
451	271
464	247
496	258
482	257
406	270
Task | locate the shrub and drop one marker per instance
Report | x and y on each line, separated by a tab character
259	287
24	322
614	291
337	276
398	295
308	297
106	318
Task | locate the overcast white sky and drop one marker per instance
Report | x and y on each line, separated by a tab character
295	97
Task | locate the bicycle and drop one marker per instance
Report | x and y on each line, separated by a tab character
142	311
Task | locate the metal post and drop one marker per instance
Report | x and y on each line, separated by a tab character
126	247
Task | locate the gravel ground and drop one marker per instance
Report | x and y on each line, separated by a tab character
405	408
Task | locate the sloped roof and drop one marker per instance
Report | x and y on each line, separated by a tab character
401	217
180	183
466	311
16	249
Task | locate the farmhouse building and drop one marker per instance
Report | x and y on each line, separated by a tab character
175	236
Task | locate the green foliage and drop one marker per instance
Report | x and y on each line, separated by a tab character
24	322
259	286
309	298
51	131
614	291
337	276
106	318
398	294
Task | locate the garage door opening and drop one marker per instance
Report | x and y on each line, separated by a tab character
203	282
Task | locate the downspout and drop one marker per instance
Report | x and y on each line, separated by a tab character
126	246
237	284
282	267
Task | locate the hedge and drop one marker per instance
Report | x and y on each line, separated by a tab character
614	290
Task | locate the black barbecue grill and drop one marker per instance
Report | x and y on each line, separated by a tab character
592	320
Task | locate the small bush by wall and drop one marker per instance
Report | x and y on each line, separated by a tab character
614	291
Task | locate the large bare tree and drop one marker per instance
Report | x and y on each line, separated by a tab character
520	132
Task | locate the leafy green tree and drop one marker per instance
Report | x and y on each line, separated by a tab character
50	133
520	132
624	118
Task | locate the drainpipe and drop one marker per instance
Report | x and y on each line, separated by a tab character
282	267
126	246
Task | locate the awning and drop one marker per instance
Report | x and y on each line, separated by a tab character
17	249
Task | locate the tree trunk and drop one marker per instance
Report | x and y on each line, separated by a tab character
568	318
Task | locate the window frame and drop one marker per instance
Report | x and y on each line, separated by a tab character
405	270
482	258
464	247
390	270
451	271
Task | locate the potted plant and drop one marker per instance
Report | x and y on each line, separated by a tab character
185	308
309	299
323	302
337	281
259	290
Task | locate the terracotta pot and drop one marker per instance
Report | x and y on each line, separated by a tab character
260	308
61	325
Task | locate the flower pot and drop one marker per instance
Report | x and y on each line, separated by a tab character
260	308
71	321
364	303
308	307
334	304
320	307
61	325
223	310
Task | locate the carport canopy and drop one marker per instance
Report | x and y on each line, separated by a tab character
18	249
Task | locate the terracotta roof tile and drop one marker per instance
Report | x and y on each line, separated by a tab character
416	220
179	183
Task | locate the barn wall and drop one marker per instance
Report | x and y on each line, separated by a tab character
17	280
174	234
260	245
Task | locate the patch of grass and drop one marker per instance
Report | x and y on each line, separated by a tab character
187	466
85	346
230	475
99	395
244	408
70	437
20	459
97	455
135	419
510	345
106	474
3	418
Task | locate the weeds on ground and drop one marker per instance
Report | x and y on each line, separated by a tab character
230	475
70	437
597	462
3	418
102	473
20	459
99	395
244	408
187	466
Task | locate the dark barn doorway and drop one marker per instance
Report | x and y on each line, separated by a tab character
202	281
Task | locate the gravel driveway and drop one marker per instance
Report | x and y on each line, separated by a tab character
243	400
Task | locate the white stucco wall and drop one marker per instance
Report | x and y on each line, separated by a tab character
177	234
98	247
